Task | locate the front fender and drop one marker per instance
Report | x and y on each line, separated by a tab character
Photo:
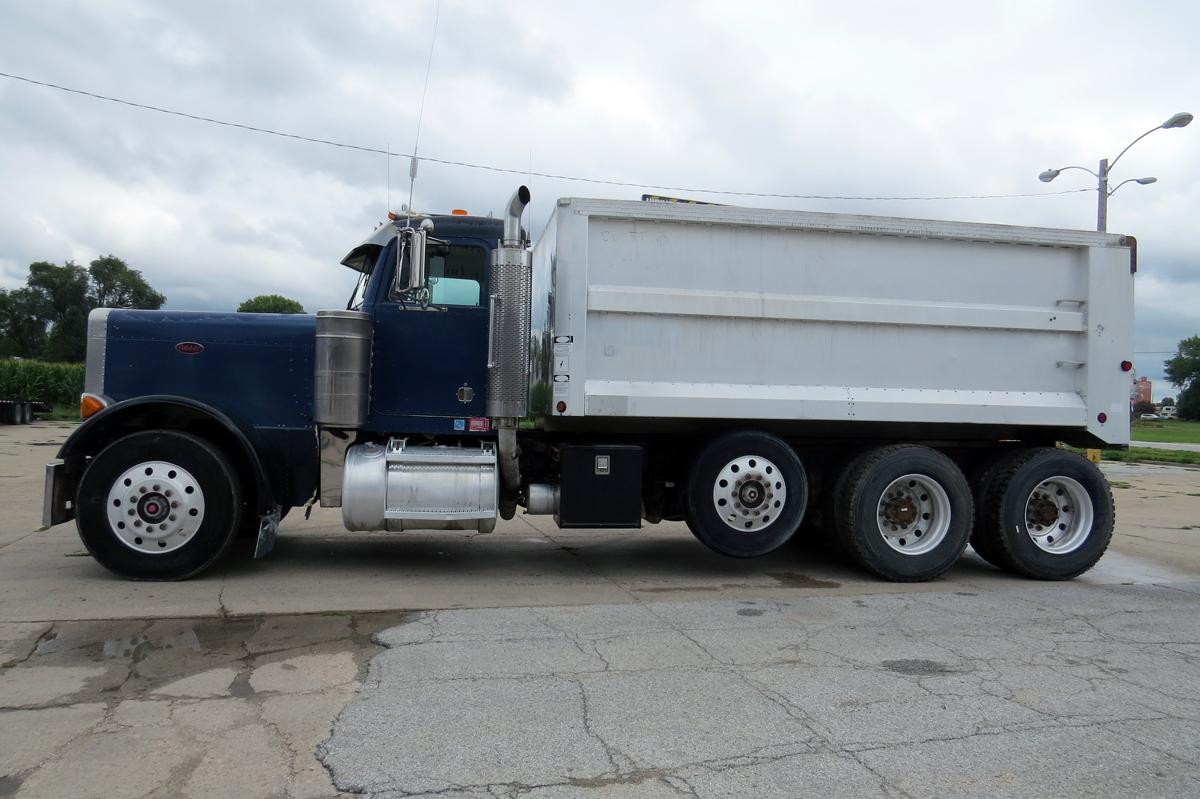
169	412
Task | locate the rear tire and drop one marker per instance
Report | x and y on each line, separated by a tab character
1048	514
747	493
158	505
903	512
982	541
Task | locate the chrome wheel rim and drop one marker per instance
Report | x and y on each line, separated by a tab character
749	493
155	507
1059	515
913	514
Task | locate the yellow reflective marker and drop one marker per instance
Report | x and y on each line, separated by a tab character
1093	455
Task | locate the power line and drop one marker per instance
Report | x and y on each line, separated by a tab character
507	171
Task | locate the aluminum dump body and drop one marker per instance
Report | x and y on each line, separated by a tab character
677	311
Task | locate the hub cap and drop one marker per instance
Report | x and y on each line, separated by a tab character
1058	515
155	507
749	493
914	514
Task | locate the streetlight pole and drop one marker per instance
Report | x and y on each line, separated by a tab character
1180	120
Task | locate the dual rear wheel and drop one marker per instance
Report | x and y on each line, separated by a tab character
902	512
906	512
1044	513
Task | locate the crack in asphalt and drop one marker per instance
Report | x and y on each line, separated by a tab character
983	657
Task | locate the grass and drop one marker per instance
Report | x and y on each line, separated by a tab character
1148	455
1171	431
61	413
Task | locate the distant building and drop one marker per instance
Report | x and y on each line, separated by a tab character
1141	390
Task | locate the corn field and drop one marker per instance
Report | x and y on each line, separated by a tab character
57	383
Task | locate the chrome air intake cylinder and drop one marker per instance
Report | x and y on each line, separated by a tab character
401	487
342	370
508	332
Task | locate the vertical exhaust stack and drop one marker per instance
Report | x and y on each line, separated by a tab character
508	330
508	346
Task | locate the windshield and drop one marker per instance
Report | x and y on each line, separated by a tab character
365	268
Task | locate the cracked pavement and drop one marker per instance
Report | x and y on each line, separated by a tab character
551	663
1057	689
182	707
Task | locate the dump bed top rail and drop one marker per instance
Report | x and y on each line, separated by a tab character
845	223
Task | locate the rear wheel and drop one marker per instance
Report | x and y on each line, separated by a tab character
903	512
158	505
1048	514
982	541
747	492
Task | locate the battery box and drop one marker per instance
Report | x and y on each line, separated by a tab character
601	486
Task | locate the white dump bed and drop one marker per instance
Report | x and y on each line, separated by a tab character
693	311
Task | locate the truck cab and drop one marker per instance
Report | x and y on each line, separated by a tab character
429	358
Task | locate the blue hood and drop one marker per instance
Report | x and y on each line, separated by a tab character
257	368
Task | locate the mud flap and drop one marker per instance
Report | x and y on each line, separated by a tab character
268	530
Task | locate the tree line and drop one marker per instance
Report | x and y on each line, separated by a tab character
46	319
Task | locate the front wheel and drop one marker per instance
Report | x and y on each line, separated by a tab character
747	493
158	505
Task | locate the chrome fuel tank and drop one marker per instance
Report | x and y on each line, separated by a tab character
401	487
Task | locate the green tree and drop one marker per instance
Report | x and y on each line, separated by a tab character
270	303
1168	402
48	318
1184	370
1189	402
1144	407
22	329
1185	365
62	295
115	285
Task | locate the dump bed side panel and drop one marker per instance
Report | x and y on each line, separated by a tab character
696	313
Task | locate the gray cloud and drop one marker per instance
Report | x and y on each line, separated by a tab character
861	98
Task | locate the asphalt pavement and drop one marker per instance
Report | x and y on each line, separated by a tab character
549	663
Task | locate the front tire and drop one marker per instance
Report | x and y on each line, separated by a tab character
903	512
158	505
1048	514
747	493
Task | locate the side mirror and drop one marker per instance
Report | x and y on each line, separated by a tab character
416	260
410	261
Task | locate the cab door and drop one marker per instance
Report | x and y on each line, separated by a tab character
431	362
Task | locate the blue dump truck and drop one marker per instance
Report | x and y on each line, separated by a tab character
895	385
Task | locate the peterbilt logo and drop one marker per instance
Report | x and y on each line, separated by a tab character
189	347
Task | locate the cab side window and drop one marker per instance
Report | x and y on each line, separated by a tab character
457	274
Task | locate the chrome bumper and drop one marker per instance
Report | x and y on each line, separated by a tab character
57	500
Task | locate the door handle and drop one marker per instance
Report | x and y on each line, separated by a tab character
493	300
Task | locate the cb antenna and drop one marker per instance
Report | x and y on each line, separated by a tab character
412	162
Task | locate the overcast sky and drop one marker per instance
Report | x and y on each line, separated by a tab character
806	98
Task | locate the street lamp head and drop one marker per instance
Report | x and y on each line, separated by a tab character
1049	175
1146	181
1179	120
